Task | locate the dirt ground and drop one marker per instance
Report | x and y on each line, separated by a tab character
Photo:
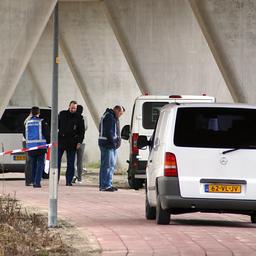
91	177
84	243
70	234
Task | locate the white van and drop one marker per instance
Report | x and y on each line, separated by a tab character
11	136
202	158
145	113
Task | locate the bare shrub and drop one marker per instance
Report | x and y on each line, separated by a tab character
24	233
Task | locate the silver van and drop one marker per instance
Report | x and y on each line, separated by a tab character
11	136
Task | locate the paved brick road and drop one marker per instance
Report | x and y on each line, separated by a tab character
117	222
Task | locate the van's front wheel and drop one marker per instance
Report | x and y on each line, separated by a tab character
163	217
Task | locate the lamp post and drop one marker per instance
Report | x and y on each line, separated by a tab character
53	178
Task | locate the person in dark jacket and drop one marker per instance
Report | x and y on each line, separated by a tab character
109	141
71	135
37	133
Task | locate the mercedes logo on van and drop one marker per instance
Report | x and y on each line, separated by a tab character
223	160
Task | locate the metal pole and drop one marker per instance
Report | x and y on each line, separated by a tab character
53	179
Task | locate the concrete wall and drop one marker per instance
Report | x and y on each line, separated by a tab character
113	50
166	47
94	72
22	23
231	25
97	62
40	66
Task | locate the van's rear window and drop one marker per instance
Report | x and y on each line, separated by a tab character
12	120
150	113
215	127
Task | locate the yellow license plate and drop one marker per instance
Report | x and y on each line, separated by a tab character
19	158
222	188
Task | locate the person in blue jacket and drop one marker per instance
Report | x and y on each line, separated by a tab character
109	141
37	133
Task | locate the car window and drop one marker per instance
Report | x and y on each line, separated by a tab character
150	113
12	120
215	127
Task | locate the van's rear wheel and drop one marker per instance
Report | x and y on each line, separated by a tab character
134	183
150	211
163	217
253	218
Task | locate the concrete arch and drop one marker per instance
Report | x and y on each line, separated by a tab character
23	23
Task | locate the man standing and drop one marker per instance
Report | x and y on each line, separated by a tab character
37	133
71	135
79	163
109	141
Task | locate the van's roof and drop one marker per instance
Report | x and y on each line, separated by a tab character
175	97
209	105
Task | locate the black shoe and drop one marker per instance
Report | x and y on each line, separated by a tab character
69	184
74	179
115	188
37	186
110	189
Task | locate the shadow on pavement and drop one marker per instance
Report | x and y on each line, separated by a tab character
216	223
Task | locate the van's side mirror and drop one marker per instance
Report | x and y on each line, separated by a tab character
142	141
125	133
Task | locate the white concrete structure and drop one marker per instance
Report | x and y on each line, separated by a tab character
114	50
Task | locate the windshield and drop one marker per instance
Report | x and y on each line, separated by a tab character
215	127
12	120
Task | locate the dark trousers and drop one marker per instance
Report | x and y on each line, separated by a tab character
79	162
37	166
70	163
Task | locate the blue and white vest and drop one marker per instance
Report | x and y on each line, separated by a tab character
34	135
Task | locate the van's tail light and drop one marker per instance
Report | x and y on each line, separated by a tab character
135	137
170	165
175	97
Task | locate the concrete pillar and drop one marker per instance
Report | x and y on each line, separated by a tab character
37	82
27	93
167	47
220	60
22	23
231	25
97	61
126	51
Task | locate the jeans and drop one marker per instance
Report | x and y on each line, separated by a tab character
70	163
107	167
37	167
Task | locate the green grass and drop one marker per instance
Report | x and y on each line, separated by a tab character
93	165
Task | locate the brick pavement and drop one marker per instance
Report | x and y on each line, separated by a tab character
117	222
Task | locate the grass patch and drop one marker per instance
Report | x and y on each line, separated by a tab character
93	165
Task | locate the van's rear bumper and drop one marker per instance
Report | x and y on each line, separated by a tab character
170	198
12	168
